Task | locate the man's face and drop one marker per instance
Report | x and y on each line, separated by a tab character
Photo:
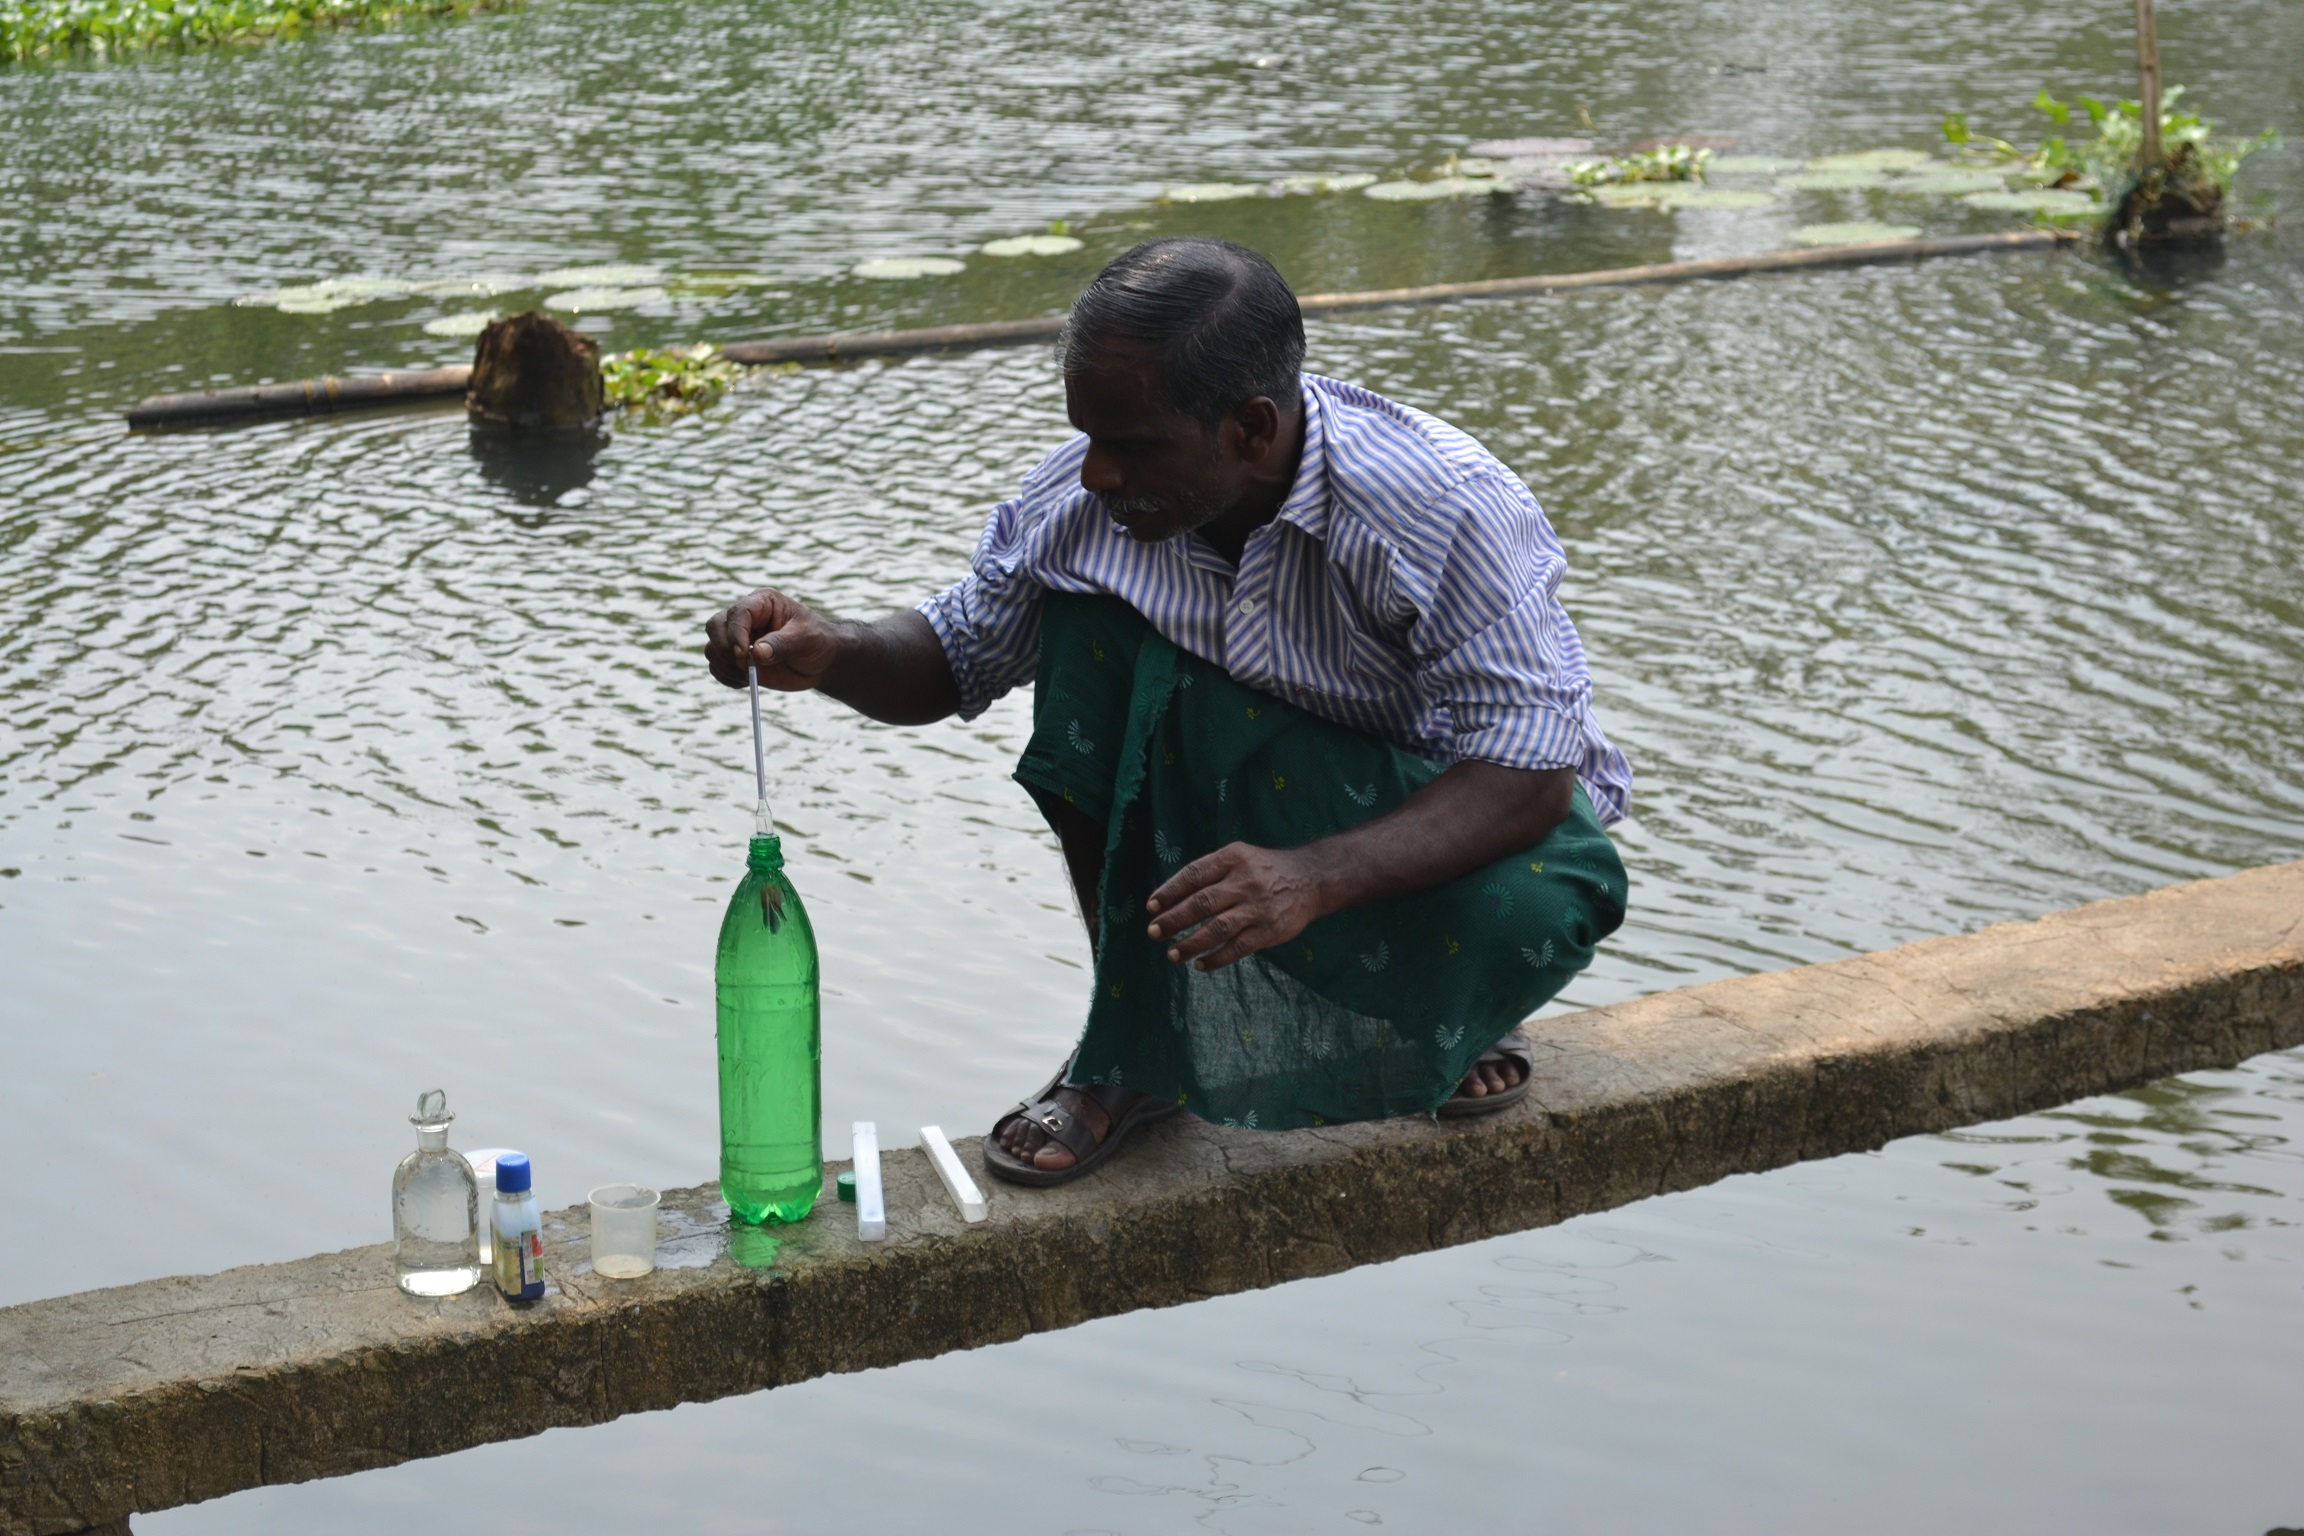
1157	473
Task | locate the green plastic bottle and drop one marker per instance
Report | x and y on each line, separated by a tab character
771	1099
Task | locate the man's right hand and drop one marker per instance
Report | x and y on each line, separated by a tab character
791	644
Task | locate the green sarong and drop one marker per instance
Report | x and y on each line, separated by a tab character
1373	1011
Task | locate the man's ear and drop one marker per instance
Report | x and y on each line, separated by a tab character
1258	421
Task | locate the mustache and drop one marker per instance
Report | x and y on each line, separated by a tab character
1124	509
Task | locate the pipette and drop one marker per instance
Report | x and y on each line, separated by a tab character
764	825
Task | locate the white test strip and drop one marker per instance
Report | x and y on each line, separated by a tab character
871	1211
962	1188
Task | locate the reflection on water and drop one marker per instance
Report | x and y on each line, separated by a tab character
345	757
537	469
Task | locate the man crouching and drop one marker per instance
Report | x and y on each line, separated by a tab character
1308	720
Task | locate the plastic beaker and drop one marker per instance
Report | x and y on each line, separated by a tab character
623	1231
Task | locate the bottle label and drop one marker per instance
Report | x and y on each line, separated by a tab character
520	1265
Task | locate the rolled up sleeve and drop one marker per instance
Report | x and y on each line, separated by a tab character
1497	649
989	620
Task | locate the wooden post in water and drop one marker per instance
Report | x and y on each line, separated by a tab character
2148	78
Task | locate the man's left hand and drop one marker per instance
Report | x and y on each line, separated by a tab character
1234	902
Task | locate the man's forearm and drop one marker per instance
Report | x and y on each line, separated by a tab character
1472	814
893	669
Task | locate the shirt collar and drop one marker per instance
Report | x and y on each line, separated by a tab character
1307	503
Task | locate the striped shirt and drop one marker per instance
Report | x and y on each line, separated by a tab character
1407	589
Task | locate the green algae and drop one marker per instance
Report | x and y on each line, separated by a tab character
37	29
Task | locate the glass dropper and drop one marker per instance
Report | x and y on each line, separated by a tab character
763	825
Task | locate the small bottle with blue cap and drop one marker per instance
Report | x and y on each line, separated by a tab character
518	1231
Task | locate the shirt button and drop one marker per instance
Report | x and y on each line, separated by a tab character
1248	605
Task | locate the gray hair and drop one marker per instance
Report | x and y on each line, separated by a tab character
1219	319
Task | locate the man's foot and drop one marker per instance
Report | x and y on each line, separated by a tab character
1497	1080
1027	1143
1492	1075
1063	1132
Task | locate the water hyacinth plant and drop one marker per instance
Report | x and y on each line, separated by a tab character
671	381
36	29
2110	158
1670	162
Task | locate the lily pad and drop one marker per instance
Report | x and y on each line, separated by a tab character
713	285
1835	181
328	295
471	323
1476	166
1523	149
1859	233
2047	203
1713	197
909	266
1626	194
1872	160
1351	182
1947	183
1214	191
592	300
1428	191
1748	165
1032	245
600	277
480	285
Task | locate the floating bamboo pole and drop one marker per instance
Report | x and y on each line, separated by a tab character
215	407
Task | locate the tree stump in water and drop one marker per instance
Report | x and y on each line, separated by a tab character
531	373
2173	203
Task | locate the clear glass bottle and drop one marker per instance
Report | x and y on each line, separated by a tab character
771	1130
435	1208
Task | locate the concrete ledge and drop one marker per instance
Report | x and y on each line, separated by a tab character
149	1396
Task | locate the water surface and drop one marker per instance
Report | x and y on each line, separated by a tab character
347	758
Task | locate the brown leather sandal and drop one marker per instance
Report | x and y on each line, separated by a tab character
1069	1130
1513	1047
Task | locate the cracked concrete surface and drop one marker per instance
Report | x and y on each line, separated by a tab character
147	1396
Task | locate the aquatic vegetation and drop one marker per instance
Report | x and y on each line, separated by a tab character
2111	157
598	277
1950	181
1350	182
1855	233
2046	202
1214	191
1712	197
1834	181
1444	186
485	285
671	381
2179	193
1675	194
326	296
713	285
900	267
471	323
1872	160
34	29
1748	165
1670	162
579	301
1032	245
